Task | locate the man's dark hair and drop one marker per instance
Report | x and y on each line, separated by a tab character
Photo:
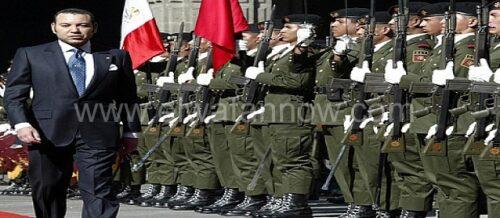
75	11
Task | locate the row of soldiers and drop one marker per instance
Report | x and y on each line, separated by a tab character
400	100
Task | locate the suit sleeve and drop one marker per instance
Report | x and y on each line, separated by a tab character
128	98
18	88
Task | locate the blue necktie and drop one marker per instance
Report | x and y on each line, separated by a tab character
76	65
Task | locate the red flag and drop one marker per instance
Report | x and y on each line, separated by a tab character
218	21
140	35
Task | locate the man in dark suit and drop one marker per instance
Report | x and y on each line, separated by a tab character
79	100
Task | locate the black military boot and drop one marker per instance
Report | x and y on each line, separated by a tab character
293	205
129	193
11	189
413	214
151	201
200	198
350	211
272	204
229	199
161	200
388	214
152	190
249	204
363	211
183	194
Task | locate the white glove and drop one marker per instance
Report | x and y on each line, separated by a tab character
385	117
208	119
490	137
164	117
303	34
432	131
358	74
489	127
347	122
405	127
205	78
342	45
255	113
388	130
4	127
189	118
496	76
253	72
439	77
165	79
365	122
449	130
172	122
471	129
187	76
393	75
482	73
241	45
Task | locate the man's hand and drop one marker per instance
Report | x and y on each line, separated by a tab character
358	74
130	144
29	135
304	33
481	73
439	77
187	76
496	76
393	75
241	45
343	45
165	79
205	78
253	72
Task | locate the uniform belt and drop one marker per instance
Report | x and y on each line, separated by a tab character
322	90
287	91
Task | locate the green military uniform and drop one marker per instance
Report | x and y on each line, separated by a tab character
458	187
221	143
416	191
329	122
289	77
368	153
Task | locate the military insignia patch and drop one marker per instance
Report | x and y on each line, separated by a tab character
437	147
395	144
495	150
177	129
353	137
152	129
419	56
467	61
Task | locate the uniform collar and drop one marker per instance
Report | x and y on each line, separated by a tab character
202	56
380	45
410	37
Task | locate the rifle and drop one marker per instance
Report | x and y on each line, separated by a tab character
448	99
204	105
253	91
172	62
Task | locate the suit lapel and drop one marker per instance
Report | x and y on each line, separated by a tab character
57	60
102	61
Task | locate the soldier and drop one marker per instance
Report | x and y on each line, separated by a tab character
289	81
368	151
485	167
337	62
416	191
197	151
449	170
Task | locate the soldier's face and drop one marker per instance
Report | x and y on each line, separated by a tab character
252	40
343	26
432	25
462	24
360	30
74	29
289	32
494	22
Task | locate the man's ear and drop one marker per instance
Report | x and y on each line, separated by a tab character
386	30
473	22
53	27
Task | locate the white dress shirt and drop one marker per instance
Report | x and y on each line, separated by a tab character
68	51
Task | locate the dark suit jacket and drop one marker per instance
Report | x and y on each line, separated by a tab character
57	111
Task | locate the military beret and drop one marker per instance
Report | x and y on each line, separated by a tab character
382	17
434	10
353	13
253	28
413	7
278	24
301	18
467	8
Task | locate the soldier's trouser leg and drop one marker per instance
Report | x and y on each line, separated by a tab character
260	147
458	186
198	152
125	174
416	191
183	168
163	163
344	175
291	147
152	171
368	158
488	173
243	154
221	156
